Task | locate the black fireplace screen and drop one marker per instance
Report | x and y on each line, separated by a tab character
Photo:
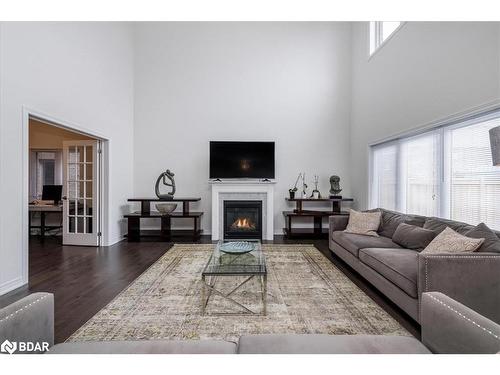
243	219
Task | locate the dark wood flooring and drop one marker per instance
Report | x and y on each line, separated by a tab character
85	279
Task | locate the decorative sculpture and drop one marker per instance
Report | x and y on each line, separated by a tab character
164	176
335	186
294	189
315	193
304	186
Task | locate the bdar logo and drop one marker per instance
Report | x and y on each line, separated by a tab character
8	347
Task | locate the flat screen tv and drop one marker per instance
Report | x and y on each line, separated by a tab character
241	160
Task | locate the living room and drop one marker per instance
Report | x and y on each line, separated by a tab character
265	187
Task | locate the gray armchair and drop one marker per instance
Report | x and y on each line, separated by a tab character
447	327
472	278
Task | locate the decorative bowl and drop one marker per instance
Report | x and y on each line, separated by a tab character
165	208
237	247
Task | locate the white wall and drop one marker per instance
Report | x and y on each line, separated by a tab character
282	82
426	72
81	73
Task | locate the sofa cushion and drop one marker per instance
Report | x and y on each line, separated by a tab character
491	242
399	266
438	224
329	344
413	237
146	347
392	219
353	242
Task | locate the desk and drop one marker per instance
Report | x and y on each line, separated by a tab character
43	209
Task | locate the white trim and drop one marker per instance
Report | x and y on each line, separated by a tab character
10	285
457	117
75	128
384	42
242	188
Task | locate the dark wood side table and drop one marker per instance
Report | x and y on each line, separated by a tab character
317	231
165	233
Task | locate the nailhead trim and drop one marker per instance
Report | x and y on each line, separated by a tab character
464	317
22	308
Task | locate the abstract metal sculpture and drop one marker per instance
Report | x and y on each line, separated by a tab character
164	176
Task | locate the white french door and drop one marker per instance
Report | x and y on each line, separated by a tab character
81	171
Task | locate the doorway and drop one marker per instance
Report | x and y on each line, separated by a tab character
65	169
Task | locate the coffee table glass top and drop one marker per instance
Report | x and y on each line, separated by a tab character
250	263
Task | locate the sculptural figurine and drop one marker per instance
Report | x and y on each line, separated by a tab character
335	185
315	193
164	176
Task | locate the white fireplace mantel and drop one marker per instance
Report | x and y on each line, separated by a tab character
243	190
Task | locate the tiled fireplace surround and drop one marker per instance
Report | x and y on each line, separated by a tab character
242	190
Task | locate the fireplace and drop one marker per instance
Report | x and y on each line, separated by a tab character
242	219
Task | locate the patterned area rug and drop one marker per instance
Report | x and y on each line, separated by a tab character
306	294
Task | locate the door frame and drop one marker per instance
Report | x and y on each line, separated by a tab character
29	113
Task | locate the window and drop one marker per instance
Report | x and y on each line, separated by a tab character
380	31
45	169
445	172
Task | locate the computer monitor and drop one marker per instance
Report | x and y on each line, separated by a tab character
52	193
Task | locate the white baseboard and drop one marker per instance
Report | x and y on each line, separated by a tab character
10	285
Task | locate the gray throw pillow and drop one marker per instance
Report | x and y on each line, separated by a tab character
413	237
491	242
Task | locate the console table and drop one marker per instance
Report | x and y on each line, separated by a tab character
165	233
317	231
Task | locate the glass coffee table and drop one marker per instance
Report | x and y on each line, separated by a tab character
243	259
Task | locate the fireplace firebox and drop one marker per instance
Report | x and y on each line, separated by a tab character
242	219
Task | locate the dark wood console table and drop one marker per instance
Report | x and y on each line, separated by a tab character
317	231
165	233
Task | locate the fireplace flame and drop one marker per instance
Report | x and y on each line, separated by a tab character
243	223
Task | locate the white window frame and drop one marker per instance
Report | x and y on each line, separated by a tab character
35	190
375	41
444	209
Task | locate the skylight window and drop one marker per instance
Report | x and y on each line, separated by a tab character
380	31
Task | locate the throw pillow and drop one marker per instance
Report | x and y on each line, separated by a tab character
413	237
491	242
366	223
449	241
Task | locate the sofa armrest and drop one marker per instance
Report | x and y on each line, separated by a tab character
337	222
31	319
449	327
472	279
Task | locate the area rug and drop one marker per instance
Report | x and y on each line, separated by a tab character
306	294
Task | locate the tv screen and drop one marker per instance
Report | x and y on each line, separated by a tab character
241	159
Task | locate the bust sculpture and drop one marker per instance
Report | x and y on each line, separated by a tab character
335	185
171	182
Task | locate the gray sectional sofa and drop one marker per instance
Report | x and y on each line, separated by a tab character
447	327
403	274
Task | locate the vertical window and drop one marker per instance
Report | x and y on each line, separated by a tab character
474	181
46	169
384	176
380	31
445	172
420	174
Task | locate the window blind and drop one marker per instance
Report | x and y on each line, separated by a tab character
445	172
474	182
384	177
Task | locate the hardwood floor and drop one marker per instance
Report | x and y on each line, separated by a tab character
85	279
